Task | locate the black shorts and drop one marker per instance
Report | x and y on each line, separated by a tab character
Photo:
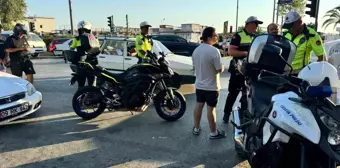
17	67
206	96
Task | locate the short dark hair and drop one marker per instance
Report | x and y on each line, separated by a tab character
208	32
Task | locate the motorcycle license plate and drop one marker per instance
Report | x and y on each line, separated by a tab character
14	111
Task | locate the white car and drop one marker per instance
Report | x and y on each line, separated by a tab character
37	45
18	100
115	56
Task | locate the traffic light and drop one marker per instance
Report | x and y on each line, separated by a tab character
313	5
231	29
110	21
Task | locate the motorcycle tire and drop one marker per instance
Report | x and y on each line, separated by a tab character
159	99
87	116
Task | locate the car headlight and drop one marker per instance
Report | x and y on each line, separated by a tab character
30	89
333	125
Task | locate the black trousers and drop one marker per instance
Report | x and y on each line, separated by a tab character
236	85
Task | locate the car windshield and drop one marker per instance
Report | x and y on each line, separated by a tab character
33	37
159	47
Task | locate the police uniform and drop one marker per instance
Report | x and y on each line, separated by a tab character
19	61
76	44
142	43
306	42
243	40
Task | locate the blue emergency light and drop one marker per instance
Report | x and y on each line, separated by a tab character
319	91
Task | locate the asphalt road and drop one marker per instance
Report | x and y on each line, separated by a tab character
55	136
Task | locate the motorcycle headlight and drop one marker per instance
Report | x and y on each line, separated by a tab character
30	89
333	125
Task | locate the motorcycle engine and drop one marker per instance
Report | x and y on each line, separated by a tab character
136	96
112	95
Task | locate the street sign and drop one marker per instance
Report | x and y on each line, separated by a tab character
284	1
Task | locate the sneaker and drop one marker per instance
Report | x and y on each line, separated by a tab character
196	132
220	134
226	118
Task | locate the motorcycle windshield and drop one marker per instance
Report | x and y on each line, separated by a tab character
159	47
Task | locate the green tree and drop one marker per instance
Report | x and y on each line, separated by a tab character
333	17
12	11
297	5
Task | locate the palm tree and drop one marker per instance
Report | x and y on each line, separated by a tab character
333	17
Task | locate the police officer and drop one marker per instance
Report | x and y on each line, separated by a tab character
306	40
84	28
143	42
238	49
18	47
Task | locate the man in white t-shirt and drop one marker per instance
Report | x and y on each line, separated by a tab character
208	66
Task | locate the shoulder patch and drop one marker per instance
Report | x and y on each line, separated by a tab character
318	42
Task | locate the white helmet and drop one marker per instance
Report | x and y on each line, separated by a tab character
316	72
84	25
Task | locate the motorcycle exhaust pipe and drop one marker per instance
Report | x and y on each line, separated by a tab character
237	122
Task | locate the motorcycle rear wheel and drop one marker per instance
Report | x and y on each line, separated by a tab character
77	108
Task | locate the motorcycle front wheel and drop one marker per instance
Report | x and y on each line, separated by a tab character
170	111
88	96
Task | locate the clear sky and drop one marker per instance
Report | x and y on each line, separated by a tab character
175	12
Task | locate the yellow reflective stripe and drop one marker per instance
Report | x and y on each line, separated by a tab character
108	76
86	64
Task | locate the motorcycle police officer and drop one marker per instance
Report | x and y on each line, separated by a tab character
305	38
143	42
18	47
84	29
238	49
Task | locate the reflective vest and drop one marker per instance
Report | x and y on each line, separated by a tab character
142	43
245	42
304	46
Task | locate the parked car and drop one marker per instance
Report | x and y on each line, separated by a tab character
116	56
176	44
37	45
18	100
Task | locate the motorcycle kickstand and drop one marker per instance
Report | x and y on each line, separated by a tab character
131	112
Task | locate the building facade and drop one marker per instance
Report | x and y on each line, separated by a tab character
42	24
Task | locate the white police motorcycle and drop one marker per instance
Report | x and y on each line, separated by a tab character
291	121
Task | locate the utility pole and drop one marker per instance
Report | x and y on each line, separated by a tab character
274	11
127	26
237	16
277	13
71	18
